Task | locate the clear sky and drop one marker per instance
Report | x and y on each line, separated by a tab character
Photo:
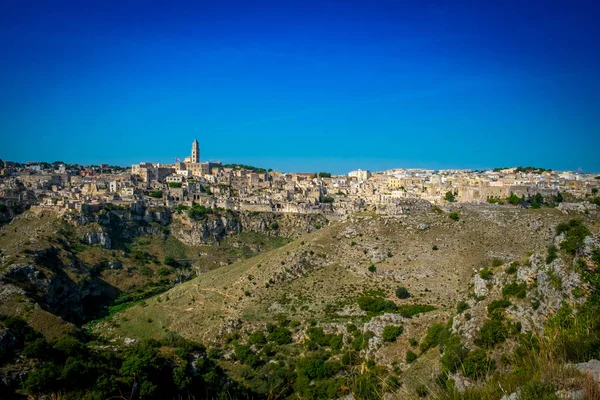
303	85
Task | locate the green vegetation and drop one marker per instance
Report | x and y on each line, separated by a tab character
175	185
575	232
391	333
198	212
376	304
324	175
449	197
410	311
486	274
454	216
372	268
436	335
326	199
512	268
498	304
245	167
552	253
462	306
411	356
402	292
157	194
515	289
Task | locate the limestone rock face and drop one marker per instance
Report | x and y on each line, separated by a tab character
480	285
591	367
97	238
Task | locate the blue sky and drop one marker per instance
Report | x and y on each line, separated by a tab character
302	85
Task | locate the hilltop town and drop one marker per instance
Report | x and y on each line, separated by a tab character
64	187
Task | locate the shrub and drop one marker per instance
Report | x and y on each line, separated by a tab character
410	311
486	274
274	226
552	253
326	199
280	336
492	331
462	306
391	333
477	364
454	354
175	185
257	338
413	342
512	268
402	292
372	268
157	194
515	289
454	216
497	304
575	232
449	197
411	356
376	304
436	334
198	212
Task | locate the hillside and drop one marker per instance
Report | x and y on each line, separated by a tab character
468	302
319	280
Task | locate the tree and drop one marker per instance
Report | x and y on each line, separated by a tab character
324	175
449	197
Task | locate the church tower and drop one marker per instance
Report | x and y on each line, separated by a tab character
195	152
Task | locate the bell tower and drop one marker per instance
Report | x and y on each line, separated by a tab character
195	151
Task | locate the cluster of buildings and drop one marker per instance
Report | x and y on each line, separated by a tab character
253	189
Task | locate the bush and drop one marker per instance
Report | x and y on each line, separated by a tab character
575	232
462	306
170	261
274	226
402	292
157	194
449	197
552	253
492	331
198	212
411	356
175	185
410	311
512	268
454	216
376	304
486	274
280	336
437	334
497	304
391	333
477	364
515	289
372	268
326	199
257	338
454	354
